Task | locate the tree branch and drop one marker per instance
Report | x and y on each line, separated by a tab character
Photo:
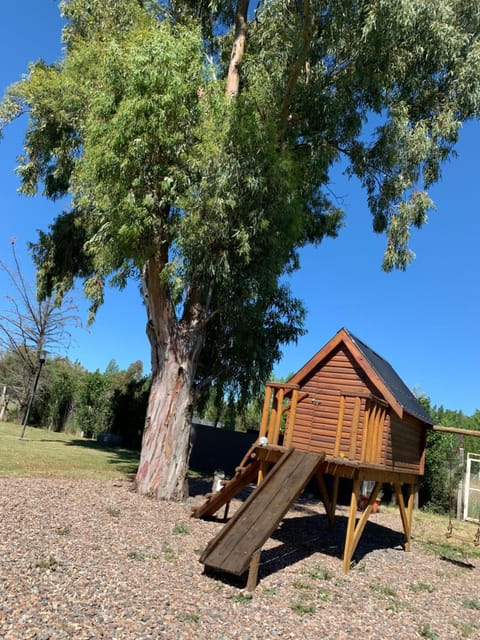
307	36
238	49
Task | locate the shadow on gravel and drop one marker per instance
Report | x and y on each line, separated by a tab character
302	535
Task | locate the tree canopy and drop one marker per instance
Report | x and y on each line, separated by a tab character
196	141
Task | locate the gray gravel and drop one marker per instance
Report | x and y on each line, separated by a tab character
86	559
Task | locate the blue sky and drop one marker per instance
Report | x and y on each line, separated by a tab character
423	321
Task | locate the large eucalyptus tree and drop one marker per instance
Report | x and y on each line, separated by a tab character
196	141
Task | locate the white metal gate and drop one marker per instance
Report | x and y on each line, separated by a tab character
471	509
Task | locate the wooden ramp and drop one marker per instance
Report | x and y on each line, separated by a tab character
246	532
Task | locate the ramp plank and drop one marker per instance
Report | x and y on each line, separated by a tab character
232	549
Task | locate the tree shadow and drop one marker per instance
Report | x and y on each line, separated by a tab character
128	458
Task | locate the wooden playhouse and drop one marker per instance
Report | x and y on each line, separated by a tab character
346	414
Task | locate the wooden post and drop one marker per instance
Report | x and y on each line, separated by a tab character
278	416
355	420
329	505
265	411
365	515
406	514
352	518
379	435
365	431
291	419
341	410
253	571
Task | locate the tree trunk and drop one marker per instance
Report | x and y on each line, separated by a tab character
176	347
166	438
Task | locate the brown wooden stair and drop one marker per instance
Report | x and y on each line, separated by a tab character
244	474
246	532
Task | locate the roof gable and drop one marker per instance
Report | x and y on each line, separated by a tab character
378	370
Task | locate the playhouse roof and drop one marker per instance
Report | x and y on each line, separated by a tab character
378	370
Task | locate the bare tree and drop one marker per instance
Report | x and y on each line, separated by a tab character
29	328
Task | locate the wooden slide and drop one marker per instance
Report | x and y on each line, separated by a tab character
246	532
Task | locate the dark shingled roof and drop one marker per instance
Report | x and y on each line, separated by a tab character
392	380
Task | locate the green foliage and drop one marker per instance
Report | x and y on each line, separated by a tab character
94	412
55	404
129	404
443	467
207	198
133	122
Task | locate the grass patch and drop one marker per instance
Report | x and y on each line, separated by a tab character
50	563
48	454
324	594
469	603
427	632
429	531
180	528
297	584
303	608
64	531
167	552
383	590
188	617
242	598
418	587
318	573
467	629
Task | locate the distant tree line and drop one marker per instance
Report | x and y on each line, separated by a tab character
443	465
70	398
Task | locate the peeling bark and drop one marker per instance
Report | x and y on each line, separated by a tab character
176	346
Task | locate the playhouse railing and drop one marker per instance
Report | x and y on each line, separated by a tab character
281	400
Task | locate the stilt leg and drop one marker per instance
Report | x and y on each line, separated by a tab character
253	571
406	514
336	482
329	505
352	518
365	515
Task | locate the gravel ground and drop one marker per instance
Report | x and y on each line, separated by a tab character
87	559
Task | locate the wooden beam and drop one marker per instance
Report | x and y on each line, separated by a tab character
355	420
367	396
265	412
338	438
282	385
329	505
406	514
278	416
365	515
287	441
365	430
352	518
253	571
460	432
